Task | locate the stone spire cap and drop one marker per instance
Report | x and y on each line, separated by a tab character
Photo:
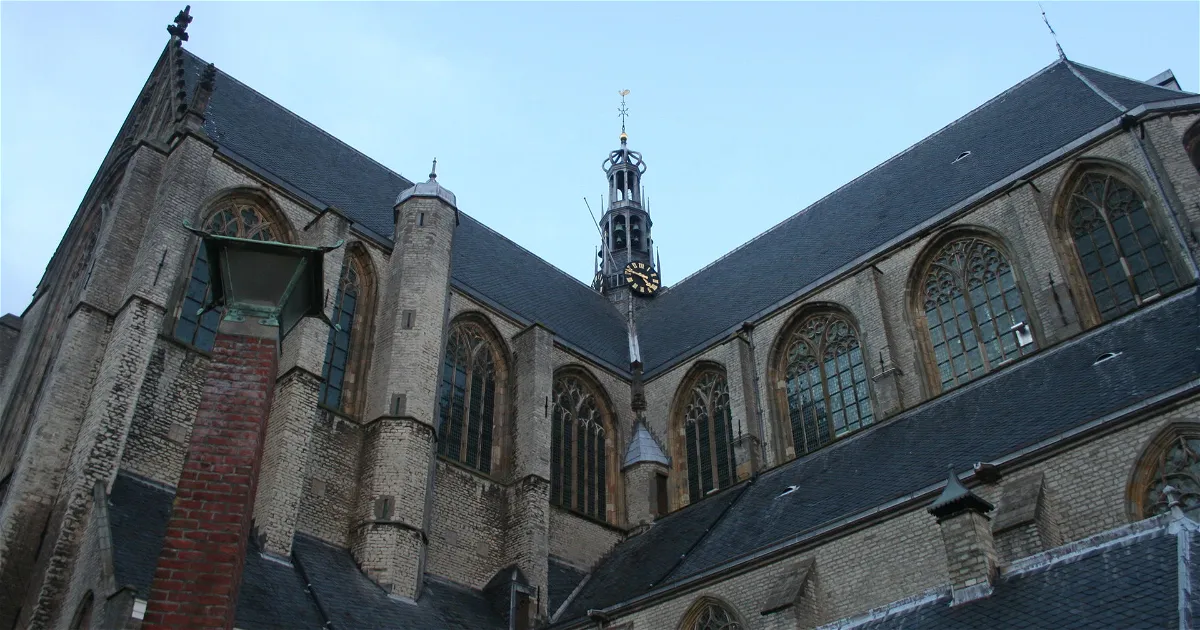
644	448
430	188
956	498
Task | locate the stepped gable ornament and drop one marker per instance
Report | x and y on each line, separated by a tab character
179	28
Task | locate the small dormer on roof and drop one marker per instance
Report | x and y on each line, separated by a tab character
430	188
644	448
956	499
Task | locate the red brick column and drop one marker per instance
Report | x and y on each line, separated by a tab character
200	566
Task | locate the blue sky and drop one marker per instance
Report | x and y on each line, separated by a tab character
746	113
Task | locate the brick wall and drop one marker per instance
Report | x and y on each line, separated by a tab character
199	569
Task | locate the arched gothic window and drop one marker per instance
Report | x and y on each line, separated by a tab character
349	307
709	614
974	315
825	381
1121	253
1171	459
708	435
467	403
238	218
578	452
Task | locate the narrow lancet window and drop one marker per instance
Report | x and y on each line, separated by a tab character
825	382
467	405
1122	256
708	435
578	451
338	348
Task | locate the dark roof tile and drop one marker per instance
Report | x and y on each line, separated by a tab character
983	421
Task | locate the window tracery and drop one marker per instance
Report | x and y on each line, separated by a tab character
1122	256
339	348
578	450
1176	465
238	218
708	435
467	404
973	311
825	380
708	614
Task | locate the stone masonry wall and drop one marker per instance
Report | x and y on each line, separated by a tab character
327	506
166	409
580	541
466	539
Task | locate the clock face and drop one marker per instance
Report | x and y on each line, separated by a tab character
642	278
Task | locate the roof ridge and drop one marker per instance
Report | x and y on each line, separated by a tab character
1174	93
302	119
1091	85
522	248
868	172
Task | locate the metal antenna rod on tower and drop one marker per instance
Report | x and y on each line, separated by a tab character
623	110
1061	55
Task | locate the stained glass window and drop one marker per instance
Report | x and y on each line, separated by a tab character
708	436
973	311
337	350
467	404
712	616
825	382
240	219
1121	253
1178	466
578	456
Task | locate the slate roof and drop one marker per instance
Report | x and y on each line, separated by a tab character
292	151
1029	121
561	580
273	595
352	600
1133	583
980	422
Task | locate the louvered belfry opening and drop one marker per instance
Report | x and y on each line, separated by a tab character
578	450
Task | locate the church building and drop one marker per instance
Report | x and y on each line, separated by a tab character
960	391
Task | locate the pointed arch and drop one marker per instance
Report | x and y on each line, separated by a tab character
711	613
583	445
242	212
702	435
347	352
822	379
1170	457
1191	144
473	399
969	307
1113	234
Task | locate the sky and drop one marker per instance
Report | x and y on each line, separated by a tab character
745	113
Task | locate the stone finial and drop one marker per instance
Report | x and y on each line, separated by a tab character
433	171
956	499
179	28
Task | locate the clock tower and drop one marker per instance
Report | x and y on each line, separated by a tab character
626	262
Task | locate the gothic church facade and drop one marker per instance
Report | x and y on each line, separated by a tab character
763	445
